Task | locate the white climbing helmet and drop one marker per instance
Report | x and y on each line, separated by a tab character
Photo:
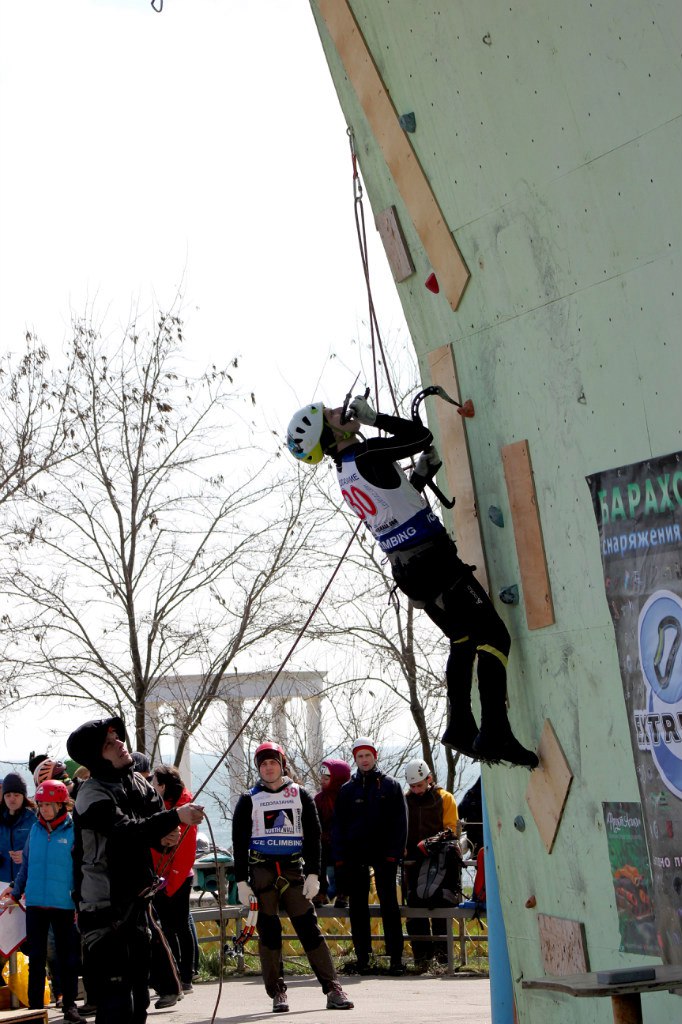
364	743
304	433
416	771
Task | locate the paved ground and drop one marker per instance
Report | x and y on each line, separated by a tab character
414	999
383	1000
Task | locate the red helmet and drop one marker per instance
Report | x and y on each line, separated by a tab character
270	750
51	792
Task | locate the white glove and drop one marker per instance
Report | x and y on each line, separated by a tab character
428	463
244	893
360	409
311	886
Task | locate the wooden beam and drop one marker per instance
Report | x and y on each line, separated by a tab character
530	549
455	454
427	217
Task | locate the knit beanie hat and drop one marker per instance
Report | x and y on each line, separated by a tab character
14	783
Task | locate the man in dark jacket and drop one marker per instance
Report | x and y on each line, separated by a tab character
118	817
276	843
370	830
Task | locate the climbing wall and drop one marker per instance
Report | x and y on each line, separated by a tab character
543	141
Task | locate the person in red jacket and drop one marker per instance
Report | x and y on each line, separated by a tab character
172	902
333	774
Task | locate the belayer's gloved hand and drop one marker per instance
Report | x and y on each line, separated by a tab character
244	893
311	886
428	463
360	409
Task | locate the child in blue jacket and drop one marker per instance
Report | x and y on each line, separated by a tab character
46	878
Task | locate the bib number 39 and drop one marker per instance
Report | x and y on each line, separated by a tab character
360	502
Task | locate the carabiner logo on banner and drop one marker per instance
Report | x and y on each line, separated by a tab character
660	657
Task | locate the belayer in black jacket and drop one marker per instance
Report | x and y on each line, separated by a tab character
118	818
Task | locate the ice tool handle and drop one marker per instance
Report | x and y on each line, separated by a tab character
466	409
346	402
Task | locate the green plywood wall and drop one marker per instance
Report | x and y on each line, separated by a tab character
550	135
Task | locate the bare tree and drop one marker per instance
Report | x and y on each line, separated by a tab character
163	546
36	431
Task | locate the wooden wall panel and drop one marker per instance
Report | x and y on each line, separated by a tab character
397	253
429	222
548	788
530	548
455	455
563	945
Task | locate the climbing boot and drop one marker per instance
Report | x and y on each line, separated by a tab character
461	732
495	747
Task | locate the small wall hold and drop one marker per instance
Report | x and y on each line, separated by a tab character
509	595
495	515
408	122
520	823
431	283
531	902
487	39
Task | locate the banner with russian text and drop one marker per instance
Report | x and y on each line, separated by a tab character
639	515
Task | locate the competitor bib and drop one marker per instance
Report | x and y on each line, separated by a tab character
276	821
397	516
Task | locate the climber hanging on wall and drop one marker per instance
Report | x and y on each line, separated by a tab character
424	560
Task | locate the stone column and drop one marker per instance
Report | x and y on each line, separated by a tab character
236	760
185	766
315	738
152	730
278	707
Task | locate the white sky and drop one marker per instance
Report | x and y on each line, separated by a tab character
200	149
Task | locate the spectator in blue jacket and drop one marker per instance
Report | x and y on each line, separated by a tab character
46	878
17	817
370	831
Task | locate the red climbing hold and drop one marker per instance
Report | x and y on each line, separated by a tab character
431	283
466	409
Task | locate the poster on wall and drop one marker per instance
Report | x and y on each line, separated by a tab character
631	875
639	515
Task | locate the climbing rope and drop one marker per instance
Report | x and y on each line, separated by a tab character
377	344
374	331
248	932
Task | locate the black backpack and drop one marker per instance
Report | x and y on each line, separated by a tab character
439	882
